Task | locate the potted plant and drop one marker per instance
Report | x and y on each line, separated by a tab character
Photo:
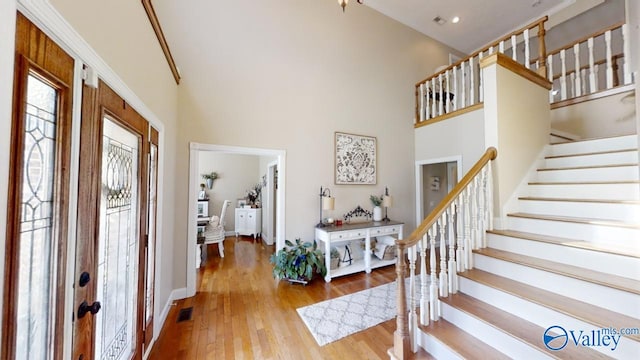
298	262
209	177
377	210
335	258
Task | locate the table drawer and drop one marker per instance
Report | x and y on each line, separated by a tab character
385	230
348	235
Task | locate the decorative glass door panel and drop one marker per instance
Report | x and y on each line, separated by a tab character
151	240
36	273
118	245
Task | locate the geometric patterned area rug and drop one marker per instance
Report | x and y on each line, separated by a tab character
333	319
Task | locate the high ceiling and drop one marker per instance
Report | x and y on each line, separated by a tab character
481	21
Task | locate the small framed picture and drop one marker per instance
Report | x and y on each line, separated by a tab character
242	203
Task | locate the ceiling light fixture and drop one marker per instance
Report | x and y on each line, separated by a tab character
344	3
455	19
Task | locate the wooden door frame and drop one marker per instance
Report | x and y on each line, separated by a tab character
98	104
148	326
36	52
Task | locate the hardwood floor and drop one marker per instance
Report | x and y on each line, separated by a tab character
241	312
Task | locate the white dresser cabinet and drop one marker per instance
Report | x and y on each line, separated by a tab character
248	222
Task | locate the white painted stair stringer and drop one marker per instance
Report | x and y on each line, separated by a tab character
599	295
628	212
601	234
494	337
595	145
614	264
623	172
540	315
628	156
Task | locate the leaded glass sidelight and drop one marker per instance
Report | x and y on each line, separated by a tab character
118	244
151	221
36	266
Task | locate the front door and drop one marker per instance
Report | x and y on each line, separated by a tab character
112	220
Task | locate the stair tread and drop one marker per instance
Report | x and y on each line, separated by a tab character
580	220
586	245
602	201
596	277
515	326
596	138
591	153
588	167
460	341
588	313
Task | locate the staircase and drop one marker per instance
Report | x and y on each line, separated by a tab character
570	258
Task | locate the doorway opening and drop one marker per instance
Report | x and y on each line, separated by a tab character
434	180
273	197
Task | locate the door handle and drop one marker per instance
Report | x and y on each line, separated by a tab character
85	308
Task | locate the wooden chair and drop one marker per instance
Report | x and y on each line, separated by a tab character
214	232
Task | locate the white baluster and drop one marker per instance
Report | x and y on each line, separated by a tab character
434	112
550	76
463	98
446	91
592	70
467	227
577	85
482	234
422	115
514	48
501	47
453	269
461	264
440	96
490	51
583	80
489	196
607	41
563	76
480	93
424	296
434	306
472	70
455	88
527	56
475	243
626	52
597	70
572	81
444	287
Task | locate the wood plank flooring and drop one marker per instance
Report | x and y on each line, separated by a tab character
241	312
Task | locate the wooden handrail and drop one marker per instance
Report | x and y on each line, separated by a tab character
534	24
433	216
583	39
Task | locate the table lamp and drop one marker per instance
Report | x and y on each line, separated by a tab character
326	203
387	201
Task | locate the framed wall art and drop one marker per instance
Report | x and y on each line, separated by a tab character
355	159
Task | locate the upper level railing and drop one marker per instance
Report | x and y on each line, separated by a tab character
458	224
593	63
460	84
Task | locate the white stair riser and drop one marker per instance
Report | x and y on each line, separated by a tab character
609	211
436	348
609	144
618	173
629	191
626	157
543	316
614	264
617	236
499	340
625	303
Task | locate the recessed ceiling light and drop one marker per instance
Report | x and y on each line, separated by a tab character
455	19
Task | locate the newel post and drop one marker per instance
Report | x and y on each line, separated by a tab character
401	340
542	50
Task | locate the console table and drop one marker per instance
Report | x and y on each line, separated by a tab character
335	235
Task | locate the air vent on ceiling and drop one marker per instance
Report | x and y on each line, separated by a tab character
439	20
